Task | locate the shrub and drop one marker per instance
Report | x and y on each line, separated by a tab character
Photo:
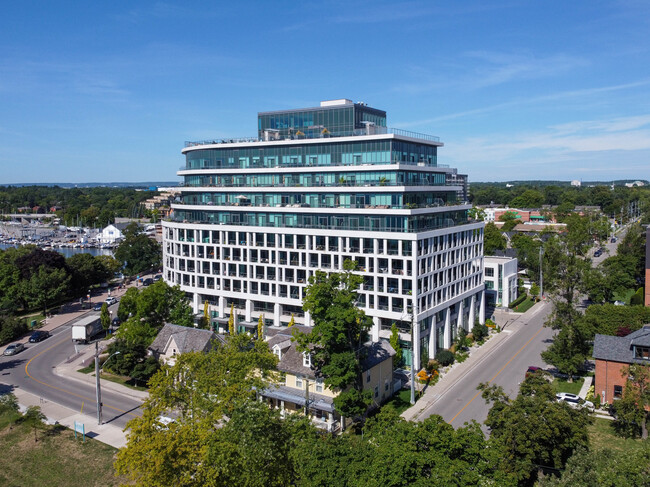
445	357
432	366
518	301
597	401
479	332
11	328
590	394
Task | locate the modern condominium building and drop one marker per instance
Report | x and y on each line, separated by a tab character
258	216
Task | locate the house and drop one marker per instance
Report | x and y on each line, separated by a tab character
303	384
174	340
111	234
613	357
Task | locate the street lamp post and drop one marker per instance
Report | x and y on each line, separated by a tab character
541	274
98	389
413	354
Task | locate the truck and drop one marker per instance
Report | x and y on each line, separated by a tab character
86	328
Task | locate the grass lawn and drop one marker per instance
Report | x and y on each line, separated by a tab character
601	435
525	306
400	402
56	459
119	379
561	385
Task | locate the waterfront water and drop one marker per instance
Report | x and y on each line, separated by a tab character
68	251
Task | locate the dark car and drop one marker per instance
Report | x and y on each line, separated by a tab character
147	282
598	253
116	321
98	307
39	336
157	277
531	370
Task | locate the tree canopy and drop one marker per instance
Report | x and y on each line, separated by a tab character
138	252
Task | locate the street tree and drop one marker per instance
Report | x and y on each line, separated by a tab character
335	342
394	342
137	251
493	239
105	317
533	431
633	410
34	418
204	390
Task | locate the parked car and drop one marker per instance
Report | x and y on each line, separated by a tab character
157	277
598	253
116	321
574	401
110	300
38	336
98	307
531	370
14	348
147	282
614	239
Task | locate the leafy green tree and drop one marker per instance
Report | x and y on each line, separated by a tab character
105	317
260	327
337	337
128	304
394	342
531	198
603	468
86	271
510	220
204	389
231	320
11	328
570	348
138	252
608	319
476	214
533	430
493	239
633	410
109	263
9	408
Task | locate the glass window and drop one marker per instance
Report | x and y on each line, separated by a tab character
618	392
299	382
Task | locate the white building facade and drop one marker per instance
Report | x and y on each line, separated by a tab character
500	280
315	188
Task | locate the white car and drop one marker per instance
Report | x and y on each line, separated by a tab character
574	401
110	300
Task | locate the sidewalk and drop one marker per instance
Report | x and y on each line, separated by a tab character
55	413
509	324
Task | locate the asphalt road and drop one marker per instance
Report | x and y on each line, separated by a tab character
33	371
505	366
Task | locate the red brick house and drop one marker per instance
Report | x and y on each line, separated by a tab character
613	357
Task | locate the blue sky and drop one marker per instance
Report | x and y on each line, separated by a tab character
109	91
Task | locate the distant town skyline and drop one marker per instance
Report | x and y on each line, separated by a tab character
516	90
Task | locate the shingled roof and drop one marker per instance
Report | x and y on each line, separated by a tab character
187	339
619	349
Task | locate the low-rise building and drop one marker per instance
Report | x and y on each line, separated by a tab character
613	357
111	234
303	388
500	280
173	340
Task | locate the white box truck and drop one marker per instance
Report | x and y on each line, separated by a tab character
86	328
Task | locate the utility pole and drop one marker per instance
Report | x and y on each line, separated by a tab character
97	386
541	274
413	354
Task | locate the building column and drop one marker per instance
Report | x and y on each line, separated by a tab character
447	334
308	318
330	421
276	314
433	338
195	303
221	305
247	310
375	328
481	312
472	311
459	318
282	409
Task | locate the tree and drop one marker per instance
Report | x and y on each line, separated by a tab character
570	348
105	317
511	219
336	340
9	408
34	417
231	320
633	410
86	271
394	342
292	321
493	239
199	448
260	327
138	252
476	214
533	430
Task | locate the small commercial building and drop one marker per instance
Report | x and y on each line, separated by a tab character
500	280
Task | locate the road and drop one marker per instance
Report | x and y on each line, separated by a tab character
33	371
505	366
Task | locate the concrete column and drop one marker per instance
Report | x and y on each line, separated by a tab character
282	409
330	421
447	333
221	305
472	311
195	303
276	314
248	310
459	318
433	337
308	319
375	328
481	312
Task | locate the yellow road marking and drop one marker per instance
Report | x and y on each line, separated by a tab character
63	390
497	374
